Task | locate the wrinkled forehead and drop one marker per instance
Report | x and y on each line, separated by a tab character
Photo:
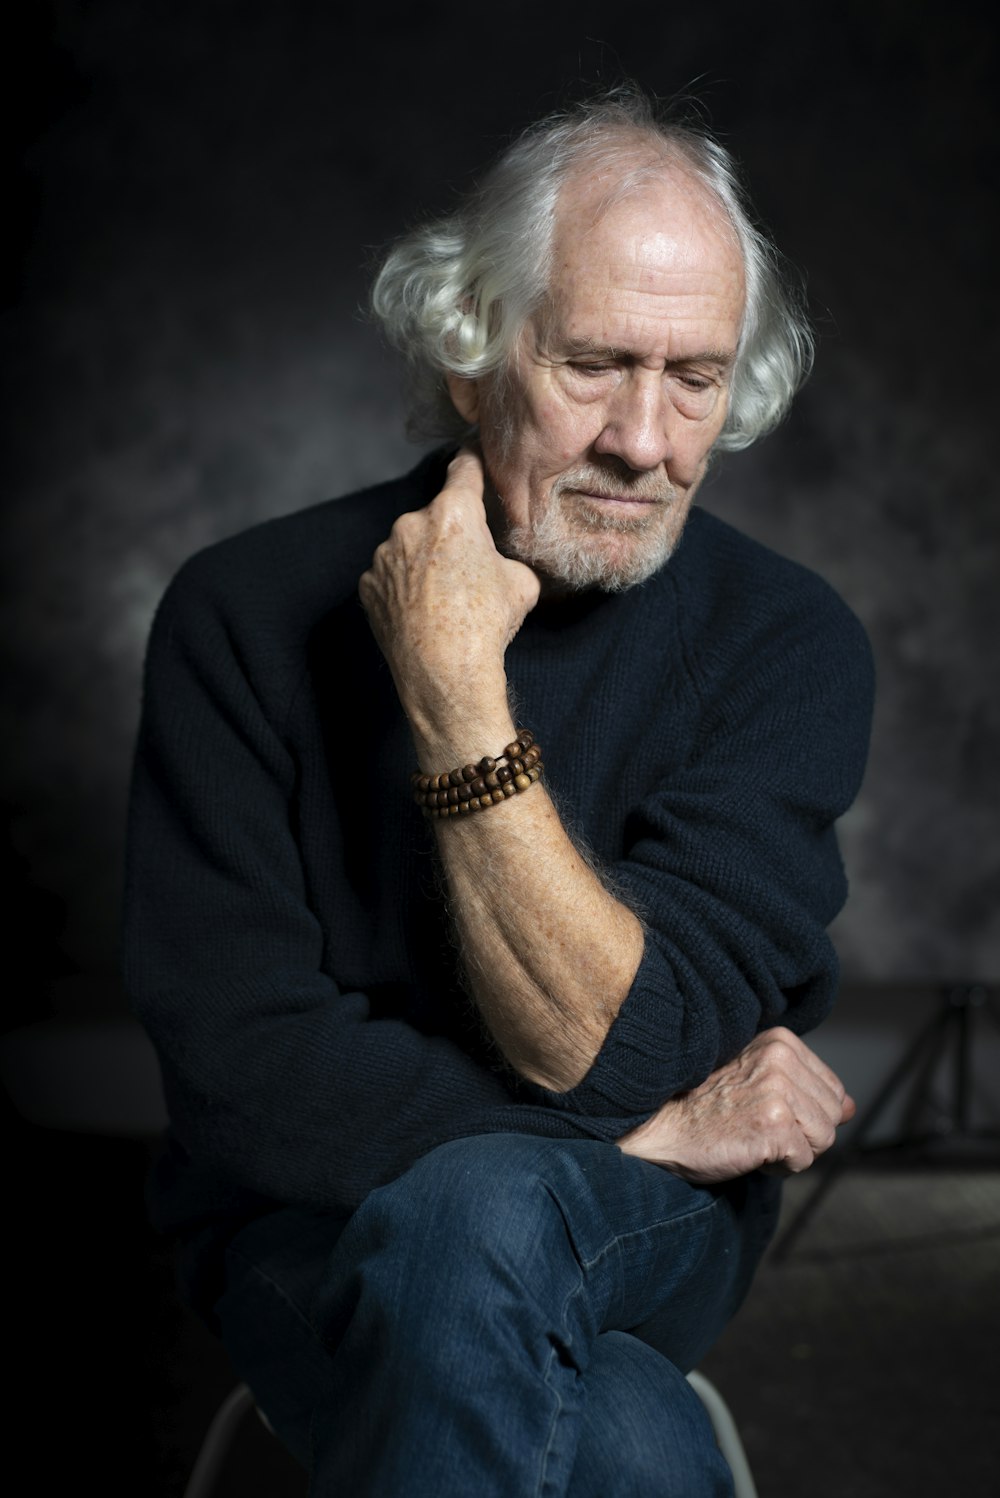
628	226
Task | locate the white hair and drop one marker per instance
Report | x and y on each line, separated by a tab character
454	294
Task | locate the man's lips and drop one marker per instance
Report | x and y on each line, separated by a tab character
622	499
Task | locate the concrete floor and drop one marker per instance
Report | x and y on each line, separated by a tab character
865	1364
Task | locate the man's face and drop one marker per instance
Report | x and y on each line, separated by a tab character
597	435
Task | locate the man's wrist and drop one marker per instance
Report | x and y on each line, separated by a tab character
653	1139
462	739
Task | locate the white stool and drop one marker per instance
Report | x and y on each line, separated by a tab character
726	1435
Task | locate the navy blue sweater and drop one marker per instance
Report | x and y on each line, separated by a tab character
285	942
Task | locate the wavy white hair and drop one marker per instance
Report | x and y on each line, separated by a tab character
454	294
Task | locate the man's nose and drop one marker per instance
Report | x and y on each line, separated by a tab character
637	422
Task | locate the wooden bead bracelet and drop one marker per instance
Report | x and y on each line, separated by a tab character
457	793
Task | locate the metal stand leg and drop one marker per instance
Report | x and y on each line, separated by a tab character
922	1057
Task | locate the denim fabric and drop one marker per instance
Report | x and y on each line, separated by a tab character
513	1316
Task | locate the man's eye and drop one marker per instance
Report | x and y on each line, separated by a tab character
695	382
592	369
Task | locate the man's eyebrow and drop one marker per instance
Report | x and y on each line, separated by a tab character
724	358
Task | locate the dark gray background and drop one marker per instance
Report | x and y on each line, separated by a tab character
203	188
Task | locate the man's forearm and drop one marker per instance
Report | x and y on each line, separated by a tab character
549	953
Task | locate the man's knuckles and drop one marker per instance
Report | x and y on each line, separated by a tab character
780	1048
524	584
773	1116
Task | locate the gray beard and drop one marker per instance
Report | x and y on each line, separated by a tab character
569	550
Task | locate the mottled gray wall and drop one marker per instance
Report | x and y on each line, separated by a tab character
203	185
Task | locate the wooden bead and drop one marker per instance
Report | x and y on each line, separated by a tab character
473	787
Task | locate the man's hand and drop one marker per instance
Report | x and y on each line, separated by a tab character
444	605
776	1106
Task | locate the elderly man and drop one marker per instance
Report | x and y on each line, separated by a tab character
476	922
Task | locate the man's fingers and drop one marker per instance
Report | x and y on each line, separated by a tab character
466	483
803	1070
826	1079
526	584
814	1095
819	1069
466	475
820	1123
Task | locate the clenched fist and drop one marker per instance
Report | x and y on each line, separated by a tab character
776	1106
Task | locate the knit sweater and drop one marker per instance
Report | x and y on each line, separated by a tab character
286	942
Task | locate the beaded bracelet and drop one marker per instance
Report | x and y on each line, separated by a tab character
457	793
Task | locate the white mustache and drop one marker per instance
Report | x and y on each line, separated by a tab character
641	488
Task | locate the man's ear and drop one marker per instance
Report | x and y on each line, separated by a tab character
464	397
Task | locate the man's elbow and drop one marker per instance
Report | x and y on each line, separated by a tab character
562	1063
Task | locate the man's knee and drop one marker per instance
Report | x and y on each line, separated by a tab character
488	1206
644	1429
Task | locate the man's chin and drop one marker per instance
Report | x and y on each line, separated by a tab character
610	559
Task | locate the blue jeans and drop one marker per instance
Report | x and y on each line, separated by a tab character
513	1316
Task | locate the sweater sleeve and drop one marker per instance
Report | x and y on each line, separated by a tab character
276	1080
733	863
